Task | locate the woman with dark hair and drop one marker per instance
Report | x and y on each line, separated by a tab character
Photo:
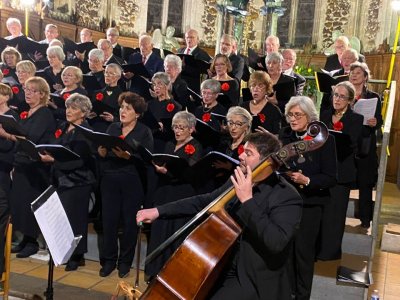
221	66
366	162
312	174
265	114
122	191
210	88
348	127
172	187
30	177
74	179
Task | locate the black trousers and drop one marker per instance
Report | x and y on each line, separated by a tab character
333	223
122	195
76	204
304	251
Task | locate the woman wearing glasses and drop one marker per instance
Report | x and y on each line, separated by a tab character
210	89
366	162
52	73
122	188
30	176
105	101
312	174
221	66
25	69
265	114
347	127
172	187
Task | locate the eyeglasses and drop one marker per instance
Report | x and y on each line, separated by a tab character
208	94
158	84
259	86
341	97
235	124
110	74
219	64
295	115
179	127
30	91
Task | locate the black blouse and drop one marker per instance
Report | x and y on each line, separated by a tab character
270	117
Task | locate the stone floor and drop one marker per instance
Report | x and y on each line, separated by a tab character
29	276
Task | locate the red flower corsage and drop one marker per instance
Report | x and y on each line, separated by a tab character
240	149
225	87
190	149
23	115
206	117
170	107
338	126
261	117
99	96
66	96
122	137
6	72
15	90
58	133
307	138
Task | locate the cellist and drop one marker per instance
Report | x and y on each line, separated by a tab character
269	214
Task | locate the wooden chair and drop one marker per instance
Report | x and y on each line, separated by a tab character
5	277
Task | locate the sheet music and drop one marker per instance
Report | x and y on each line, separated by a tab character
55	226
366	107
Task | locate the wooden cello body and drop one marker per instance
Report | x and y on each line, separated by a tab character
196	265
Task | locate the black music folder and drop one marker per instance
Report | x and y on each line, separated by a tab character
27	45
343	144
285	90
206	134
50	81
58	152
91	83
57	99
325	81
99	107
137	69
71	46
103	139
201	66
11	125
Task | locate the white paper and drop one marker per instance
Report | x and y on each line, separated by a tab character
55	227
366	107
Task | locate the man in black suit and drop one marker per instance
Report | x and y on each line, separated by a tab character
112	35
334	61
269	214
51	33
152	62
226	48
105	46
189	74
289	60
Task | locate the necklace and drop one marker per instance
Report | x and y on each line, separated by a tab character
339	114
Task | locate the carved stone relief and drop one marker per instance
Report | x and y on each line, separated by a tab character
337	16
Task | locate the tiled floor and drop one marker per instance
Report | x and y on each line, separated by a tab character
386	266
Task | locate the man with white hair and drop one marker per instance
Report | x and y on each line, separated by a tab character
112	34
51	33
334	61
152	62
109	58
226	48
14	27
289	61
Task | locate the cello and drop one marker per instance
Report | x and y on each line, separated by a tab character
192	270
